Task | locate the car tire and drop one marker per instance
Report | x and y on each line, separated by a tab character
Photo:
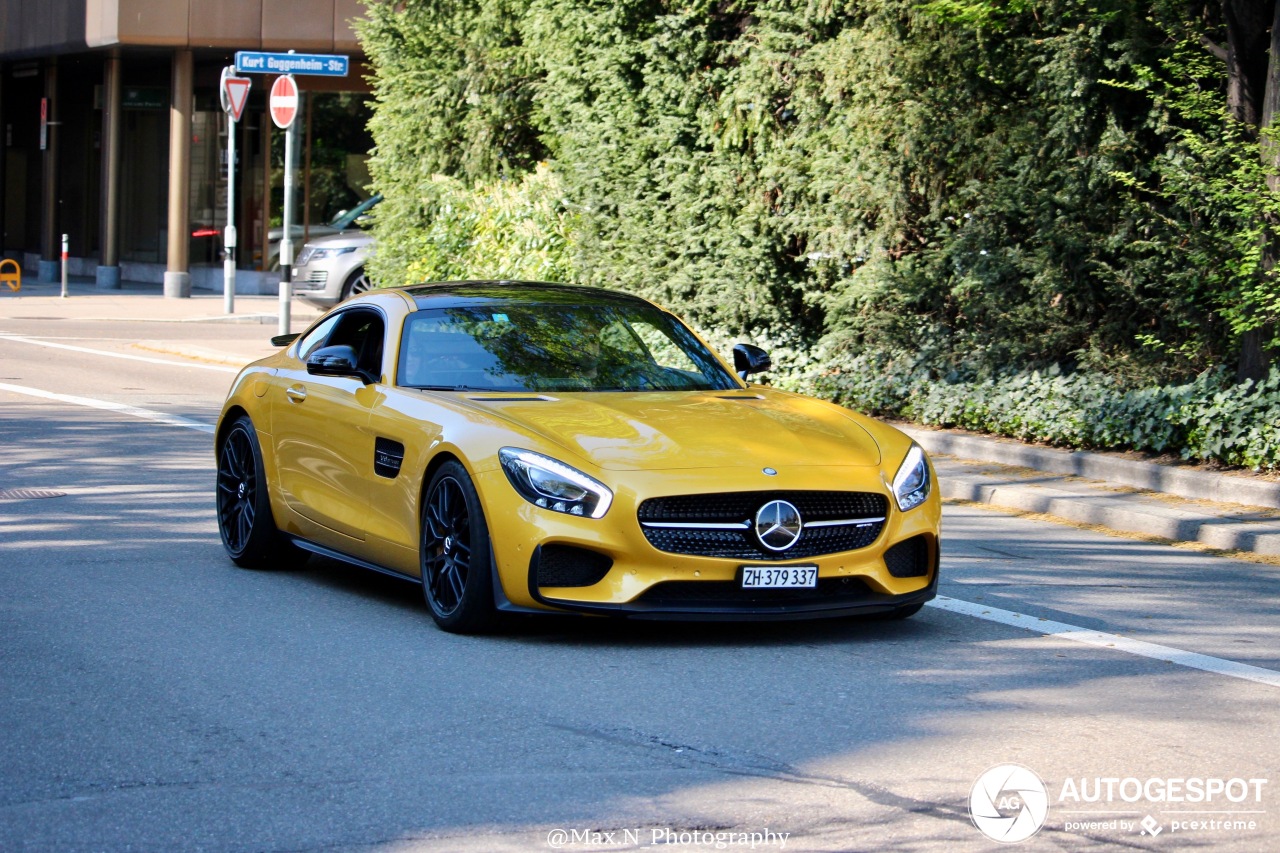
245	522
454	554
356	283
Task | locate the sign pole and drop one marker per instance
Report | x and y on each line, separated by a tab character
286	243
283	105
229	236
235	93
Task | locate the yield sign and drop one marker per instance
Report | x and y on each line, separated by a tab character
284	101
235	92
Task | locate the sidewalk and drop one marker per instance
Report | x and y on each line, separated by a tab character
137	301
1181	504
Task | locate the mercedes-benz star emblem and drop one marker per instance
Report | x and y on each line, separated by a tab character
778	525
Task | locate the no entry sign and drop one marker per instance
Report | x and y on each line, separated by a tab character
284	101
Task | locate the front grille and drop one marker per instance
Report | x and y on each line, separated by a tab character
315	281
738	506
909	558
864	512
700	594
565	565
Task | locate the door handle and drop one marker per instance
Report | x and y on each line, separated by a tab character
296	393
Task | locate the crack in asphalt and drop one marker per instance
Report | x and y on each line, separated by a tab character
759	766
762	767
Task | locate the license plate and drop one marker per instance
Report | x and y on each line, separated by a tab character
779	577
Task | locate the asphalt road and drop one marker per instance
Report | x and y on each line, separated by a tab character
154	697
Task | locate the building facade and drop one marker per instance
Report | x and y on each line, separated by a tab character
115	136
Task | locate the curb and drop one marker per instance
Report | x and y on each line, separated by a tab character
228	319
1124	512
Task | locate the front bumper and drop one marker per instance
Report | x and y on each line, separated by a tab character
642	582
726	601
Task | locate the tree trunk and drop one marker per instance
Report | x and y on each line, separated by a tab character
1247	61
1253	97
1271	103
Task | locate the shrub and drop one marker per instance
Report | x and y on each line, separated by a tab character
1209	419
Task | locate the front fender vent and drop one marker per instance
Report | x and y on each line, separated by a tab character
388	456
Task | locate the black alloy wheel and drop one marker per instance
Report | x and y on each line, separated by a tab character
455	555
244	508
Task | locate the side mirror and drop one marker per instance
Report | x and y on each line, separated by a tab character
749	359
340	360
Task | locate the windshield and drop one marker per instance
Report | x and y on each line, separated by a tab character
348	218
555	348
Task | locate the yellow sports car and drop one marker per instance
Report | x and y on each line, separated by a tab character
521	447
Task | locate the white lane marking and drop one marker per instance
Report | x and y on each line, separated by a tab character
145	414
1207	663
147	359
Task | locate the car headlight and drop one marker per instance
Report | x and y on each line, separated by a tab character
310	254
553	485
911	483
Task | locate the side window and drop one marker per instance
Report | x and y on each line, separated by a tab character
362	331
314	338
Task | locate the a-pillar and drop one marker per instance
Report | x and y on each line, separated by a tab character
177	276
108	275
50	244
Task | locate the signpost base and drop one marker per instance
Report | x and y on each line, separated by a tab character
228	286
286	295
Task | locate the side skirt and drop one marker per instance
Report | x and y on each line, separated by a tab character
501	602
307	545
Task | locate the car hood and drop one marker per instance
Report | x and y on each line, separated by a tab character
668	431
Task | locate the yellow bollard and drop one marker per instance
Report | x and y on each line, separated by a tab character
12	278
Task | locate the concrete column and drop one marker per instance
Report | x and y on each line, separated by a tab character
4	188
109	264
177	276
50	241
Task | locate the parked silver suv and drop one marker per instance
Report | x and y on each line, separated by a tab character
345	220
331	269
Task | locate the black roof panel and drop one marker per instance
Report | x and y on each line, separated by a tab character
449	294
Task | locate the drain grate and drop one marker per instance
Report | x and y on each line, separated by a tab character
28	494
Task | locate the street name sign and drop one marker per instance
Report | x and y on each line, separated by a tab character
324	64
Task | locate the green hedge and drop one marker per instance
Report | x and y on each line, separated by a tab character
1210	419
1028	183
504	229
